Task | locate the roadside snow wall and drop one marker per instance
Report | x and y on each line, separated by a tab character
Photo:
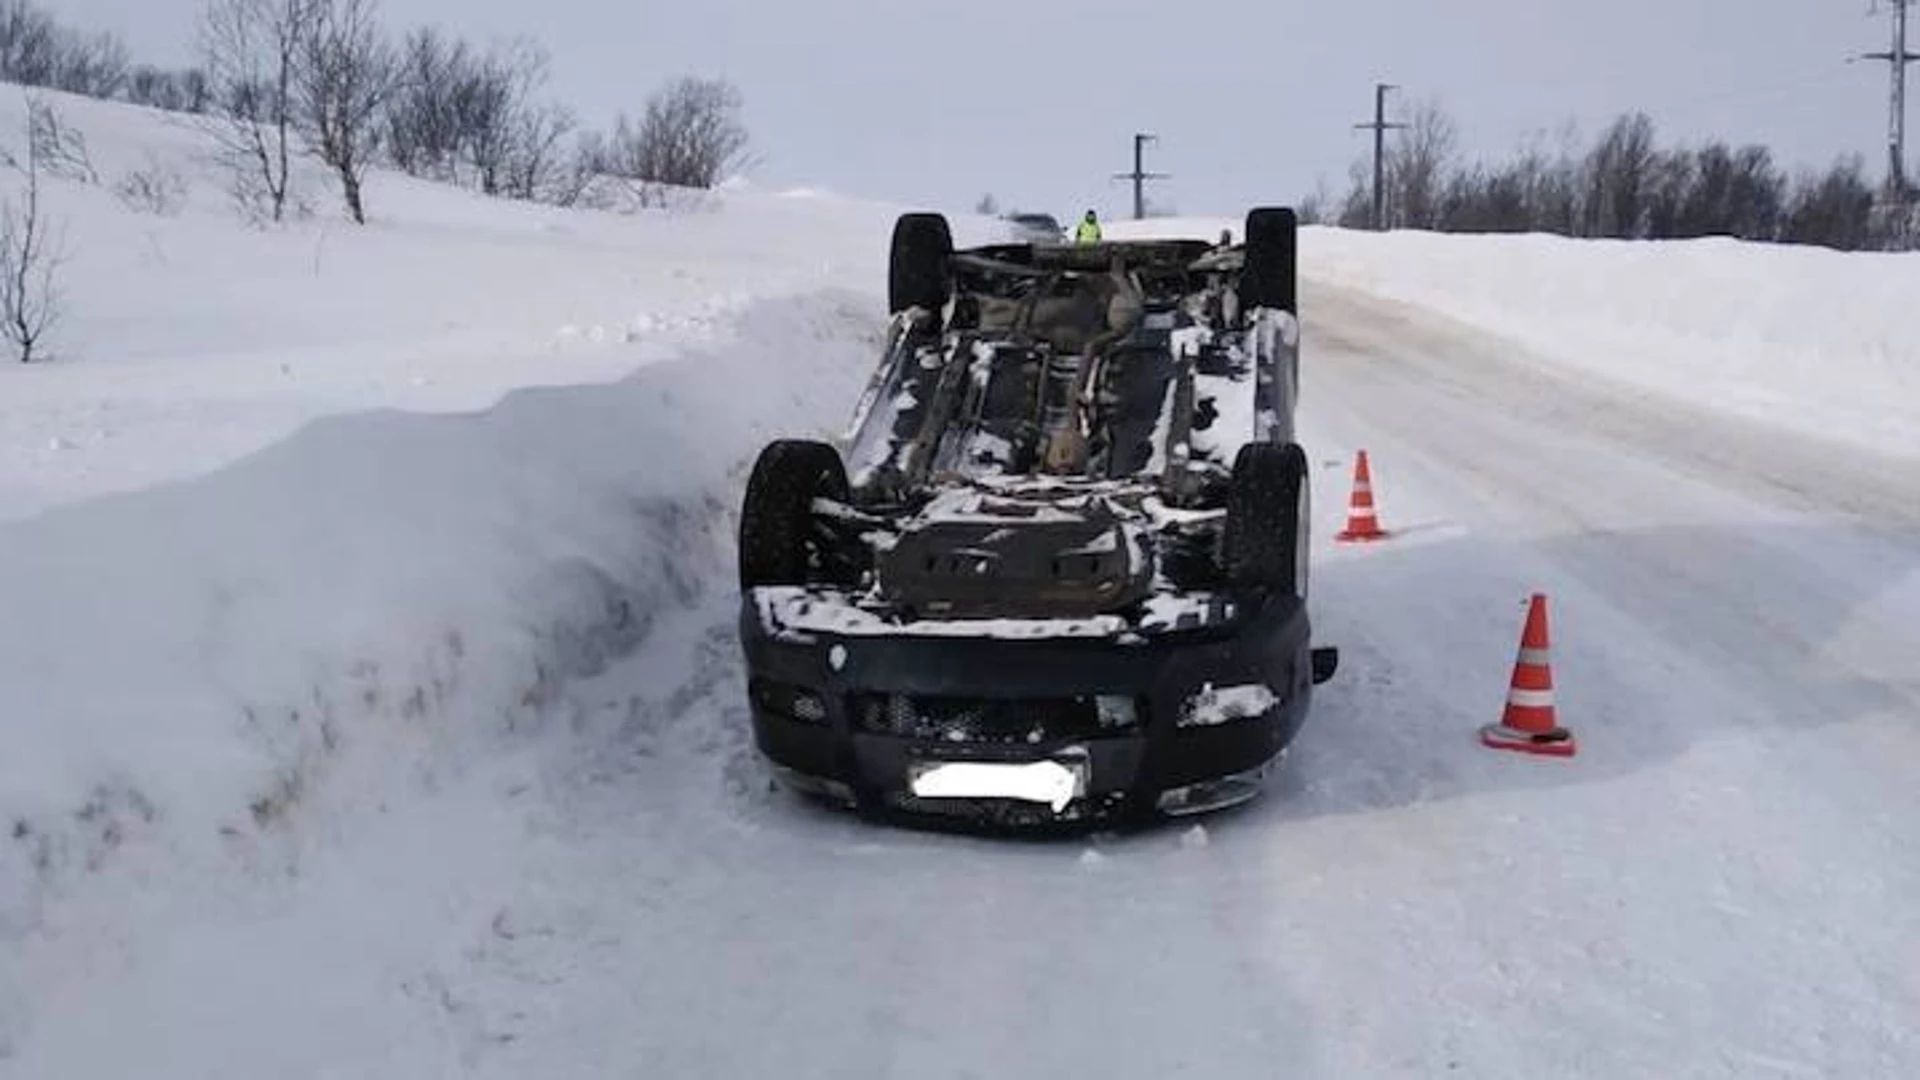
188	674
1808	338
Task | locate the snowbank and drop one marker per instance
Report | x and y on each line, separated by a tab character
303	519
337	618
1815	340
1820	341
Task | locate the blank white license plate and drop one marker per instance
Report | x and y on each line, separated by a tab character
1055	783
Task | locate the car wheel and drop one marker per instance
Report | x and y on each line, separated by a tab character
1265	542
1268	277
778	543
919	268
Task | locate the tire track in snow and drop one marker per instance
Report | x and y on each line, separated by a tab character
699	903
1748	768
1653	496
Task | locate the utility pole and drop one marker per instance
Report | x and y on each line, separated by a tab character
1897	58
1380	128
1139	175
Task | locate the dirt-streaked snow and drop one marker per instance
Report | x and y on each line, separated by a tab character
546	849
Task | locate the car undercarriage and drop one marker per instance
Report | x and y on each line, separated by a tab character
1058	570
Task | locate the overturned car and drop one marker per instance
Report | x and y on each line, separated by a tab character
1060	572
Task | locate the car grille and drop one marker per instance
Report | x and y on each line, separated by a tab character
1002	721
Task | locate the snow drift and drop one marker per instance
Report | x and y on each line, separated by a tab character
334	621
302	519
1816	340
1811	339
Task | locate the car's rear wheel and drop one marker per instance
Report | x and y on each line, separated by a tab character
920	265
1268	277
779	540
1268	517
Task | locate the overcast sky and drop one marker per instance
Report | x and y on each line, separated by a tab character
938	101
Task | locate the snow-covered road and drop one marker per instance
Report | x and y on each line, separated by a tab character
1719	885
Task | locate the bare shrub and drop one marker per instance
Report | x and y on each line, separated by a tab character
690	136
158	188
30	260
59	149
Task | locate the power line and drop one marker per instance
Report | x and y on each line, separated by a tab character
1139	175
1897	57
1380	127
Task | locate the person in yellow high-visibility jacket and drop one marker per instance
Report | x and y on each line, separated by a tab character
1088	231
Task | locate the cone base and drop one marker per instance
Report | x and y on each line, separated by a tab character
1556	743
1350	536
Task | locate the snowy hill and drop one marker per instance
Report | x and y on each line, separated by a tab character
190	338
272	520
367	701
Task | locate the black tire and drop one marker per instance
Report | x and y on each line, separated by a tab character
920	265
777	539
1269	277
1268	513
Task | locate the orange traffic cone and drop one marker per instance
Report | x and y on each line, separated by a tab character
1362	522
1530	724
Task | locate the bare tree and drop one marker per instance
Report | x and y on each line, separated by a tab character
95	66
489	109
251	51
348	74
690	136
459	116
29	44
1417	167
574	178
1356	210
175	91
148	85
988	206
1622	185
1317	207
1834	209
422	115
196	88
1619	178
30	259
538	168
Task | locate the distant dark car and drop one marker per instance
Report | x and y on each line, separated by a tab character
1038	228
1060	574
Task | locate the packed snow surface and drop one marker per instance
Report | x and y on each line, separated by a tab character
356	727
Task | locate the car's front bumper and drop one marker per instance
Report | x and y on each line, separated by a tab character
852	717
